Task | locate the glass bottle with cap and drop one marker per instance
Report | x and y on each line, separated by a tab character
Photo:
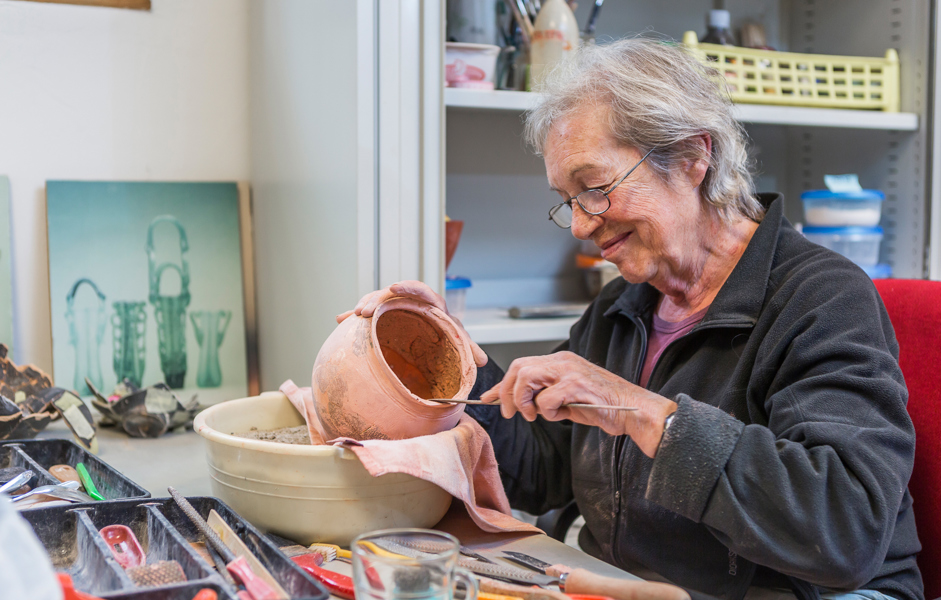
718	32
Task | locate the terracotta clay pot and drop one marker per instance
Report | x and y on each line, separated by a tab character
371	375
452	235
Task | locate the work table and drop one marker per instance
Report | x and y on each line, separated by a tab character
178	460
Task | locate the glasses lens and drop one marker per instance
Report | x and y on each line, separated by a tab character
561	215
593	201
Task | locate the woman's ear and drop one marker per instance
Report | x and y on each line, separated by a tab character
701	146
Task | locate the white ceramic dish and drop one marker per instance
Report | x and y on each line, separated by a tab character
305	493
470	65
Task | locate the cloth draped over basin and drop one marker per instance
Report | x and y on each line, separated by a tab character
460	460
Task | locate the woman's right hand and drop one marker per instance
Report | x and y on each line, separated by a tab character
409	289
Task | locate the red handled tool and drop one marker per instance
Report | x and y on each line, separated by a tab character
339	585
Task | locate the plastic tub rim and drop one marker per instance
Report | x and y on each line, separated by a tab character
202	428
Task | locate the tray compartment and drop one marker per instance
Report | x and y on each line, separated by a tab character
70	536
156	535
292	578
43	454
13	456
181	592
75	547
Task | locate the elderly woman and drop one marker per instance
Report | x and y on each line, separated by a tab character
770	447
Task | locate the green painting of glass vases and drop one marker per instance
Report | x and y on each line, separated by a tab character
170	310
210	326
167	257
86	330
129	328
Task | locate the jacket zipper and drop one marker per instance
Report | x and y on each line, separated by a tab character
621	441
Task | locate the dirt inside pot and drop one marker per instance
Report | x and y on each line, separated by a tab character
285	435
420	355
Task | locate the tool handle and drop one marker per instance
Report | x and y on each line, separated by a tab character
256	587
87	483
582	581
338	585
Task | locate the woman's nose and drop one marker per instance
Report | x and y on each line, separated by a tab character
583	224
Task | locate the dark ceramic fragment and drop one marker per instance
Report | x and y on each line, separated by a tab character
147	412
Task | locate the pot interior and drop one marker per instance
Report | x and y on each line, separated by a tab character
423	358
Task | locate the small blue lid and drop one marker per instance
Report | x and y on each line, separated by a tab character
828	195
456	283
880	271
842	230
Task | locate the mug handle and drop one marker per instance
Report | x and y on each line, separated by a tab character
470	583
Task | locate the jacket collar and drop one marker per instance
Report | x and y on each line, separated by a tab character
741	298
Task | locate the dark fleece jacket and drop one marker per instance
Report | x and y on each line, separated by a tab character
789	457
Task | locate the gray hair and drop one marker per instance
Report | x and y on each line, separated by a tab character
660	97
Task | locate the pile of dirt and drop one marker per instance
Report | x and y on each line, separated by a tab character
285	435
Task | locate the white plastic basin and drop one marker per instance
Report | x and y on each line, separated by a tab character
305	493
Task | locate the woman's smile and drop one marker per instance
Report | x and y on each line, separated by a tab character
611	246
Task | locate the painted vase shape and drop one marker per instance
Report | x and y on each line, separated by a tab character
86	330
129	335
371	375
210	326
170	311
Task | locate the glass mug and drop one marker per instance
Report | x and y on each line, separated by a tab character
408	564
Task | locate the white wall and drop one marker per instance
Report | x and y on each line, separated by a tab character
98	93
307	170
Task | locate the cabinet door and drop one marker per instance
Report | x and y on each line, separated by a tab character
410	133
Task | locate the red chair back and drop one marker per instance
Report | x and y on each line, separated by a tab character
914	308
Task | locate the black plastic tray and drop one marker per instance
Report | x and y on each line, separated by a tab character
40	455
70	536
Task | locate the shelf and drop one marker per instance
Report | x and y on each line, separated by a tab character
825	117
493	326
746	113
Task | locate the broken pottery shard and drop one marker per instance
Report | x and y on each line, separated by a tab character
372	374
77	416
23	410
147	412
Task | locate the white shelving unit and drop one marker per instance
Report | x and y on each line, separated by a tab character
494	326
372	167
498	187
746	113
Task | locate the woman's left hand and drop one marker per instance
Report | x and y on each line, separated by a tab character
544	385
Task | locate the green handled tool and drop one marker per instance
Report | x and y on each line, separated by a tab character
87	483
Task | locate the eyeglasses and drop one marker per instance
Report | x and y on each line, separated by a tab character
594	201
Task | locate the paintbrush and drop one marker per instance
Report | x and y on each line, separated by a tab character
518	8
573	405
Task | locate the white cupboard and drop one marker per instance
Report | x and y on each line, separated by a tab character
358	153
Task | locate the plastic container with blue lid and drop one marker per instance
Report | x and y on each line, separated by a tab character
859	244
823	208
455	295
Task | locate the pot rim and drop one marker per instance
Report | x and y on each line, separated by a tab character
449	328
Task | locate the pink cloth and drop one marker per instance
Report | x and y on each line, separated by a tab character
303	401
460	461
